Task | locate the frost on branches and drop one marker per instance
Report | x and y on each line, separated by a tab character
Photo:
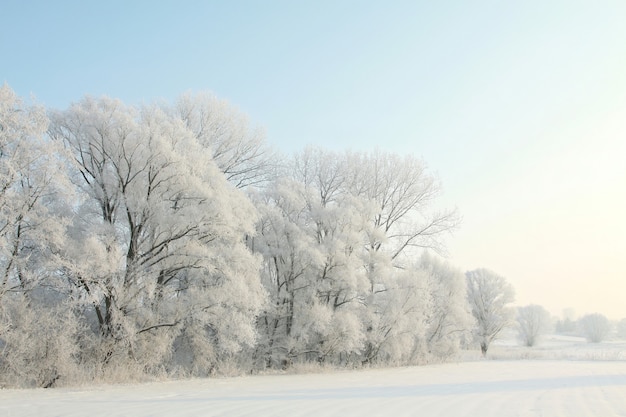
169	281
170	240
489	296
34	327
339	234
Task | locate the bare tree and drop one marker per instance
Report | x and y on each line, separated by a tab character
567	324
399	192
595	327
402	191
159	249
36	326
32	181
489	295
239	150
339	235
533	321
621	328
448	318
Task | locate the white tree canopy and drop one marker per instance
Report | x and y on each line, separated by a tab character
489	295
32	185
238	149
595	327
169	240
36	330
163	230
533	321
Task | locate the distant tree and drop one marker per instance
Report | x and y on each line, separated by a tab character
533	321
595	327
489	295
621	328
566	325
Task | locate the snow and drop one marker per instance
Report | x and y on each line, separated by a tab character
553	347
556	388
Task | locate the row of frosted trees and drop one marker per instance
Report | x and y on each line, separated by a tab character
338	233
169	240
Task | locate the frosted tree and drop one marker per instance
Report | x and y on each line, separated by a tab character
489	295
127	243
32	183
449	317
423	316
311	276
238	149
39	340
312	235
566	325
342	228
340	221
533	321
401	191
289	254
159	252
340	282
621	329
396	319
595	327
33	188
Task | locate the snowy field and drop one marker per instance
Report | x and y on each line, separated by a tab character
553	347
485	388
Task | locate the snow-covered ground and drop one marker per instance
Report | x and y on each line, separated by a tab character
561	377
554	347
485	388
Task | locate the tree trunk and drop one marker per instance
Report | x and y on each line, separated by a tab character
483	348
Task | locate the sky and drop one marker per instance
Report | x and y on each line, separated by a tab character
519	108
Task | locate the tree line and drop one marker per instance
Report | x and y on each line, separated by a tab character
170	240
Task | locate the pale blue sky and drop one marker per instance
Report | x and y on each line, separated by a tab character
520	107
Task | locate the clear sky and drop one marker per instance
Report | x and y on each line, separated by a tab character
519	107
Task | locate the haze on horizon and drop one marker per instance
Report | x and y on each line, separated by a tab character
519	108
